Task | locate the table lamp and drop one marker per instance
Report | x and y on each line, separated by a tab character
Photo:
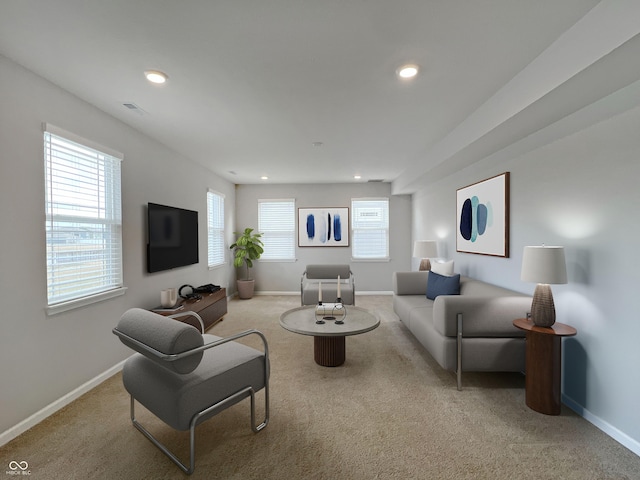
544	266
424	250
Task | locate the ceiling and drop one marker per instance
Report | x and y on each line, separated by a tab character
254	85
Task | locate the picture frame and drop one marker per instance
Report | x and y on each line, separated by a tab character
323	227
482	217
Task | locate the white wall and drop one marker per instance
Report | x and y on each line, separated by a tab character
581	192
42	357
369	276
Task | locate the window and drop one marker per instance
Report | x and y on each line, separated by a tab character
83	221
277	223
215	231
370	227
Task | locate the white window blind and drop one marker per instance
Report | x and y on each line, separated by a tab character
277	223
370	228
83	217
215	222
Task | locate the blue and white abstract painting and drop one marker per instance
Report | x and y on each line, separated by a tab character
483	217
323	227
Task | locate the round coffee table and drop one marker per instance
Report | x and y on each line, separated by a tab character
329	337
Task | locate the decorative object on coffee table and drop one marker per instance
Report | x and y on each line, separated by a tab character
545	266
425	250
330	312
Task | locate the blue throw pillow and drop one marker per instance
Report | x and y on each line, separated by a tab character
441	285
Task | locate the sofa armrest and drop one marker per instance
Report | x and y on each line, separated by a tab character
410	283
481	316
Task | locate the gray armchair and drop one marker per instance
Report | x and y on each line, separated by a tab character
327	275
185	377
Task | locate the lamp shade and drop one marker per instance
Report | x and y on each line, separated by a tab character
425	249
544	265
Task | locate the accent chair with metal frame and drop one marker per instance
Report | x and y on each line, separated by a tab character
185	377
326	277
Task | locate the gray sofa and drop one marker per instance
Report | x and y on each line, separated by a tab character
472	331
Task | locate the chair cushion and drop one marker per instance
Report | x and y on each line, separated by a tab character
442	285
328	271
175	399
164	334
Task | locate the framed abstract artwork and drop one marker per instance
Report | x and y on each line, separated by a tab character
482	217
323	227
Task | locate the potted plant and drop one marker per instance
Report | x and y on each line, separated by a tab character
247	248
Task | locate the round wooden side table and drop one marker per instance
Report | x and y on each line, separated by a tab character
544	364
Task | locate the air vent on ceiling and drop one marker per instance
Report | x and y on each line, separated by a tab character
375	180
134	108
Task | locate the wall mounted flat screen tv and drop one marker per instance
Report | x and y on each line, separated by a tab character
172	237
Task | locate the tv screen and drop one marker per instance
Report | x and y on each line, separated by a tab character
172	237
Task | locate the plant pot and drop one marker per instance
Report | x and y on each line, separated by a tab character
245	288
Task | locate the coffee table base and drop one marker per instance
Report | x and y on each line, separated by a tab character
329	351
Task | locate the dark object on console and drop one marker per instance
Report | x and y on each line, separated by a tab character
192	294
208	288
196	291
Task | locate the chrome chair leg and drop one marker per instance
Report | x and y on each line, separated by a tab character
196	419
459	353
254	427
188	470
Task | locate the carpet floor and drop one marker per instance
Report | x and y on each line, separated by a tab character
390	412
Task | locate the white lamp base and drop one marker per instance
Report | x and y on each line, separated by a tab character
543	310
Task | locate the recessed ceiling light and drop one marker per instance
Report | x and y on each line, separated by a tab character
357	177
264	177
155	76
408	71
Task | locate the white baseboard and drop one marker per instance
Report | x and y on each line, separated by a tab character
359	293
265	292
26	424
607	428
